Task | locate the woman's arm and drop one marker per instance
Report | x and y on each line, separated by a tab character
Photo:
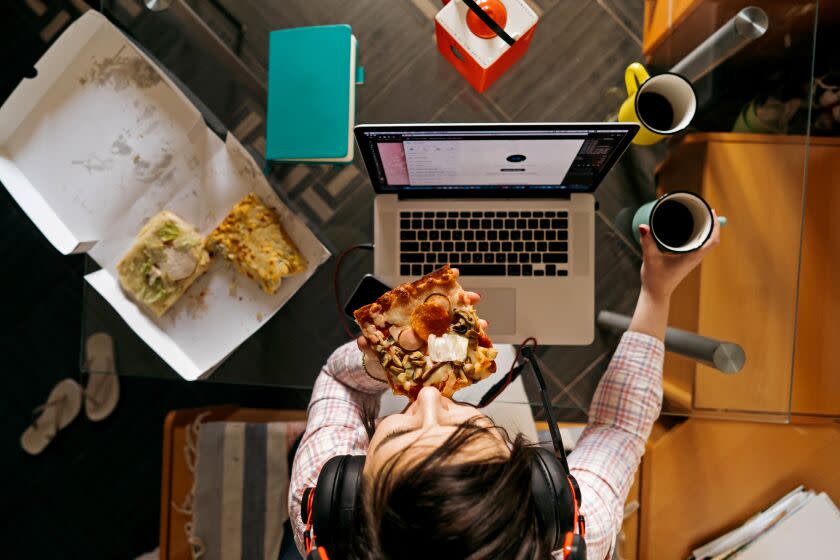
661	274
651	315
628	398
341	397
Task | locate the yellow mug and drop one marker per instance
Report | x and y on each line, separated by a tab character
663	104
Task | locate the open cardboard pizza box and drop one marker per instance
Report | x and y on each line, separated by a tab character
99	142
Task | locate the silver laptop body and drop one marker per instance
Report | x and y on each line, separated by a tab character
510	205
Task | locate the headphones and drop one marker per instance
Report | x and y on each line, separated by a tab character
329	509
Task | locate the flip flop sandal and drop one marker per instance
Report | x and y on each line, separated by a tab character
103	386
62	406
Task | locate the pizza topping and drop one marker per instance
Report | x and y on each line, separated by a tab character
394	331
418	359
408	340
427	334
448	348
428	373
177	264
441	377
395	366
152	272
483	359
463	322
386	360
430	318
381	333
439	299
168	232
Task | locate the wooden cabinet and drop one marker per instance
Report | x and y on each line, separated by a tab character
705	477
816	372
662	18
673	28
750	289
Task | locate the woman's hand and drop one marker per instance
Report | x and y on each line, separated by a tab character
663	272
372	364
371	360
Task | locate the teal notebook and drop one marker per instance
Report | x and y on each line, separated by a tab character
311	94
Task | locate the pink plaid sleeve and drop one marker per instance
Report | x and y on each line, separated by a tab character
334	423
625	405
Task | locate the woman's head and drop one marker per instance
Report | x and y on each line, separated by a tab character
424	426
442	481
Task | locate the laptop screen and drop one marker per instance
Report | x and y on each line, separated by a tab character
503	158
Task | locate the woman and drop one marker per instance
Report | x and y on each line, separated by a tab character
441	481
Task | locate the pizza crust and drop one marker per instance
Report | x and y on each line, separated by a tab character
433	305
391	307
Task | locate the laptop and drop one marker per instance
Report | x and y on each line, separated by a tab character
510	205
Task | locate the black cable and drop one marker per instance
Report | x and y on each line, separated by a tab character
527	353
556	438
500	385
512	374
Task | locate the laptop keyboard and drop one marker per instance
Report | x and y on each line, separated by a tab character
515	243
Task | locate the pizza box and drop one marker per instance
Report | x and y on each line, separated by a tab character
99	142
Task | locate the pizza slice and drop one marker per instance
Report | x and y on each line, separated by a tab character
425	333
254	240
166	258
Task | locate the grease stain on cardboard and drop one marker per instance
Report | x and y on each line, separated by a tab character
148	171
94	163
121	71
120	147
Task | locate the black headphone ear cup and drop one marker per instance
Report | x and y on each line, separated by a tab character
337	503
576	549
552	496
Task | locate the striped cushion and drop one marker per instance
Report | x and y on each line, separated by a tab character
241	490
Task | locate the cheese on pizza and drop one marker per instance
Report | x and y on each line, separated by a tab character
427	334
253	239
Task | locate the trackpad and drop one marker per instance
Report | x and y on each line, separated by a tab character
498	307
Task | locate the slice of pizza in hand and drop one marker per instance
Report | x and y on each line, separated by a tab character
427	334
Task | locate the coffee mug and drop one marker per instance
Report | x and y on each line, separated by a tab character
679	221
663	104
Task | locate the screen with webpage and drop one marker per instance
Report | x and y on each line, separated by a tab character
573	160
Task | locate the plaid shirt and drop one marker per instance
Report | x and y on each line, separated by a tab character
623	409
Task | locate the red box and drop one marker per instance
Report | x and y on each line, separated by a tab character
473	49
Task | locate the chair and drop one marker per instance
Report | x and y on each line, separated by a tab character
177	479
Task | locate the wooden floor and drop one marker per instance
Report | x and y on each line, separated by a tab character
93	493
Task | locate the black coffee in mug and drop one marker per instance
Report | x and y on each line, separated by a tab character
672	223
655	110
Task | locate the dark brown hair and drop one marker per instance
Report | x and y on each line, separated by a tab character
439	506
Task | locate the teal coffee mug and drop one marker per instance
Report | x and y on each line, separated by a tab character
680	221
